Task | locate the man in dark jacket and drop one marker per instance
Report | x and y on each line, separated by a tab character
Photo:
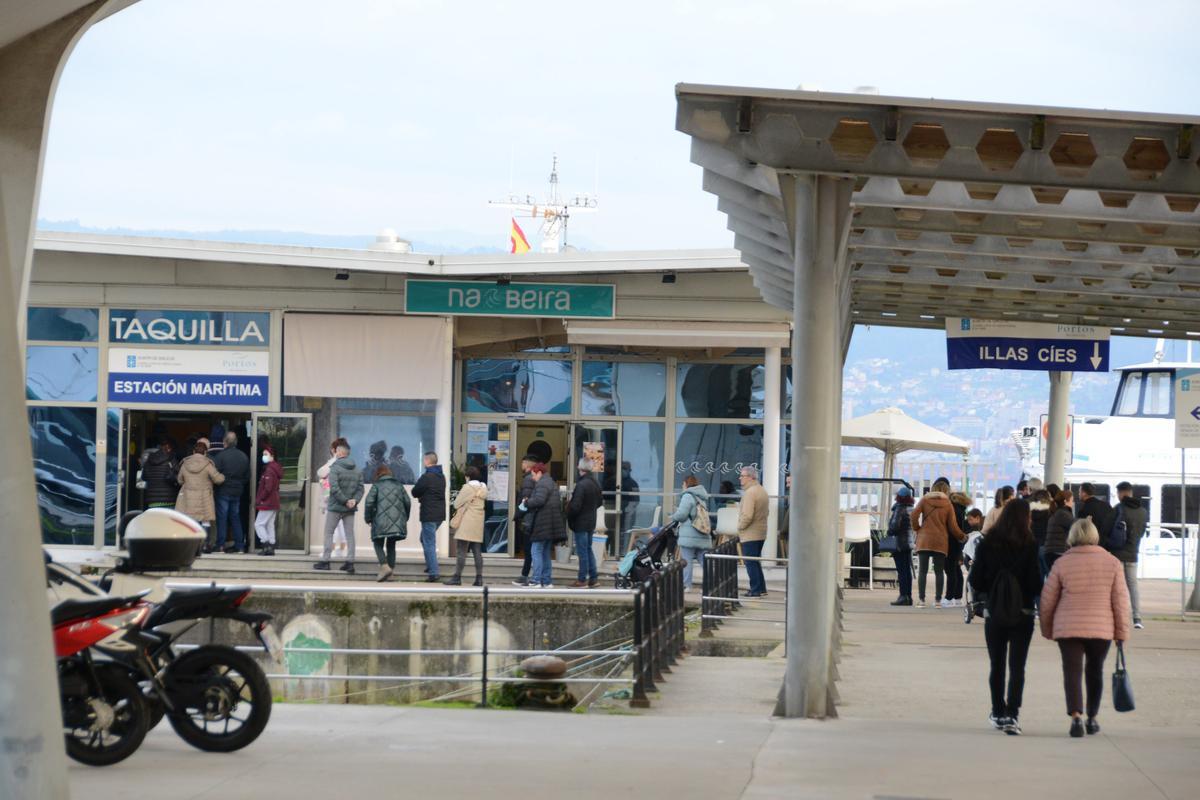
430	492
548	526
1129	510
523	493
1091	506
158	473
345	493
235	466
581	519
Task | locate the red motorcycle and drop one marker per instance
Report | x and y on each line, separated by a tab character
105	715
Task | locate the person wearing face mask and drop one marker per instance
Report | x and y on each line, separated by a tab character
266	502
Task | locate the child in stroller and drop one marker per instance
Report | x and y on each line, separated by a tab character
647	559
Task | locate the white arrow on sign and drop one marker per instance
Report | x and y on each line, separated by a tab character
1096	359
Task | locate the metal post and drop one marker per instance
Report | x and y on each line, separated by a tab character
1057	418
483	672
814	205
647	614
772	395
1183	534
639	699
706	590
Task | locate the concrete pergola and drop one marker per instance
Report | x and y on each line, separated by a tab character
857	209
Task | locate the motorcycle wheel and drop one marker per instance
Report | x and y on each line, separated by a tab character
102	730
221	696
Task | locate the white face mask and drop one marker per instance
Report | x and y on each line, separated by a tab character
266	458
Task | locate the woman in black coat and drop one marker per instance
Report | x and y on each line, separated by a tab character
548	526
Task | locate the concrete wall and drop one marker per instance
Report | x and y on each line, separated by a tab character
416	622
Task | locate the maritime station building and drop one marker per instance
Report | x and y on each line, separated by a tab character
654	365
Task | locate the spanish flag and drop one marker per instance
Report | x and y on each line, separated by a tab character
516	238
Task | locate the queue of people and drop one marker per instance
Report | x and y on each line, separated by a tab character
1039	560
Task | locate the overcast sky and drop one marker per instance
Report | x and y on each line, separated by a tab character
347	117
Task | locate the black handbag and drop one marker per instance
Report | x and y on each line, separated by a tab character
889	544
1122	687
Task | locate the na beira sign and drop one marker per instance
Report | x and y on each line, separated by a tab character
1187	408
1010	344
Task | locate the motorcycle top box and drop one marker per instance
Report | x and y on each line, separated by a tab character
162	539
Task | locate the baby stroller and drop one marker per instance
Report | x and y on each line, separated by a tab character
974	605
647	558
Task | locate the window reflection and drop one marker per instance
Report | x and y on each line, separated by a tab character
632	389
64	464
61	373
112	477
508	385
715	453
62	324
394	441
721	391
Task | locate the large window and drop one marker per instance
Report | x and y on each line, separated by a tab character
1169	509
381	432
1157	399
720	391
623	388
62	324
1130	396
64	374
64	465
533	386
715	453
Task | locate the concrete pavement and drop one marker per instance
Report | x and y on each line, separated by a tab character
913	725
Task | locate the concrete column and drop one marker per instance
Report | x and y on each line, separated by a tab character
1056	420
816	454
444	425
770	477
32	759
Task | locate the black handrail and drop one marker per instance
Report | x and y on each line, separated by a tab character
658	620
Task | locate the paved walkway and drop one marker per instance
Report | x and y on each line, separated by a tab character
913	725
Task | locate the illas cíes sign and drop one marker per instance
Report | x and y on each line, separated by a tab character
1010	344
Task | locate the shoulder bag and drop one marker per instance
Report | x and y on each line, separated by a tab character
1122	687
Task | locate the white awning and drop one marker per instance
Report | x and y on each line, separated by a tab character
699	335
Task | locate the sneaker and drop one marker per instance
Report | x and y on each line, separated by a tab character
593	584
432	579
1076	728
996	722
229	549
521	582
384	574
321	565
902	601
547	585
921	603
1091	726
452	582
1012	728
1137	623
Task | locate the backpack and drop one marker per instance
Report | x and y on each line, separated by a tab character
700	520
1004	601
1120	531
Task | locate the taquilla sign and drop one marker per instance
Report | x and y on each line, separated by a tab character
208	328
477	298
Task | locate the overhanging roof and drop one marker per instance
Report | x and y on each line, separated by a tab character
967	209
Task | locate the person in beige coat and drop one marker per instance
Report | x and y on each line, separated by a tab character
752	527
467	525
197	477
1085	607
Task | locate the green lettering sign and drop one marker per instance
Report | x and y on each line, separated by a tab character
477	298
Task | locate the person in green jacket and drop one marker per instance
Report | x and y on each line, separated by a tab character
386	511
345	493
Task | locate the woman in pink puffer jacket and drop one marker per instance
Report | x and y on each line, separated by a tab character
1085	607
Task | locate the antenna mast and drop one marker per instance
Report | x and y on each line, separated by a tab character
554	213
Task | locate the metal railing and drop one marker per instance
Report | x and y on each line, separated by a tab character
655	646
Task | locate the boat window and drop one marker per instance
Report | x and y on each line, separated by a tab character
1169	510
1157	402
1130	395
1141	493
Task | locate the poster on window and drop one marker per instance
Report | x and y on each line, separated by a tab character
498	454
593	453
477	437
497	485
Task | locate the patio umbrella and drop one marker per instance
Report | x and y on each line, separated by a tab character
893	432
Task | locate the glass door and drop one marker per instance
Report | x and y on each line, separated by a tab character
489	450
289	435
599	444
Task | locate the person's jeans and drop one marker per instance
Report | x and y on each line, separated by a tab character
1011	644
264	524
1074	653
332	518
758	582
429	547
1042	561
541	574
1131	582
903	559
939	571
694	556
229	514
385	551
587	559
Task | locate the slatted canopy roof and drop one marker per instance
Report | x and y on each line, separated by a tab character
965	209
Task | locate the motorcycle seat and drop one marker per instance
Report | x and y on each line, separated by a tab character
194	601
73	609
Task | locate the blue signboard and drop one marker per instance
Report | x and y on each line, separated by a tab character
234	390
1004	344
206	328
